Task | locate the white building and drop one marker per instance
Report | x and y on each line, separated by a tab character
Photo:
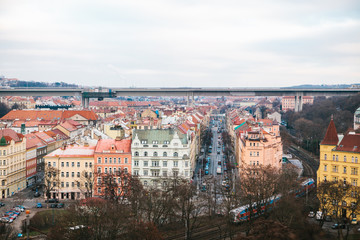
158	154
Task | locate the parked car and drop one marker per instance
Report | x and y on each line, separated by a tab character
38	205
354	221
60	205
37	194
4	219
336	226
311	214
319	215
53	200
328	218
22	208
53	205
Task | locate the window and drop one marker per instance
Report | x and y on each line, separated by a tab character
356	160
333	157
78	164
99	180
72	184
175	154
354	171
145	163
106	170
325	168
78	184
155	154
257	153
62	174
99	170
145	154
136	163
164	163
145	183
78	174
186	164
110	170
186	173
67	184
337	158
99	159
155	163
126	160
344	169
176	163
110	160
119	160
257	163
145	172
86	164
250	154
136	154
354	182
352	159
90	164
67	164
164	154
136	172
62	164
49	164
155	173
165	173
324	178
335	169
72	174
176	173
345	158
325	156
106	160
72	164
67	174
62	184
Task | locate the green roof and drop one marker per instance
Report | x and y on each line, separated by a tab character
240	125
3	141
160	135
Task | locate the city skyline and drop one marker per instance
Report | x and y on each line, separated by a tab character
181	44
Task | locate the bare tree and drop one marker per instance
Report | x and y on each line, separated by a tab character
51	180
86	183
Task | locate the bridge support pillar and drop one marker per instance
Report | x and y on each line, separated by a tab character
85	102
298	102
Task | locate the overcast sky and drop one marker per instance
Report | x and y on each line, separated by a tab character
155	43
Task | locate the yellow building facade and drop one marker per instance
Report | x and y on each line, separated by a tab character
12	163
339	161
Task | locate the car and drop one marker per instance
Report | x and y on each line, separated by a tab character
219	162
77	227
2	204
53	205
53	200
206	172
311	214
60	205
328	218
336	226
38	205
37	194
354	221
218	152
319	215
22	208
4	219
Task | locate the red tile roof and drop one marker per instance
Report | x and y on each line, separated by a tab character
350	143
119	145
11	134
48	114
331	137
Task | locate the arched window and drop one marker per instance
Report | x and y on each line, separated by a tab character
164	154
136	154
145	183
155	154
145	154
175	154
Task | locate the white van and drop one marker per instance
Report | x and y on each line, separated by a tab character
319	215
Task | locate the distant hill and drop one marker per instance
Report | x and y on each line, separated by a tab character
14	82
355	85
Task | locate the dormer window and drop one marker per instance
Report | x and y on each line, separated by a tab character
155	142
143	142
112	147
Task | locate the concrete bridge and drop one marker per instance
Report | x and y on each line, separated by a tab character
101	93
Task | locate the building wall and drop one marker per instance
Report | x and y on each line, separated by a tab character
70	178
339	166
12	168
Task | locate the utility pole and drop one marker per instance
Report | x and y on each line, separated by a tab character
27	224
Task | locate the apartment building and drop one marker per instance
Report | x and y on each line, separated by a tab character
12	162
259	146
158	154
288	102
112	156
339	159
74	164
